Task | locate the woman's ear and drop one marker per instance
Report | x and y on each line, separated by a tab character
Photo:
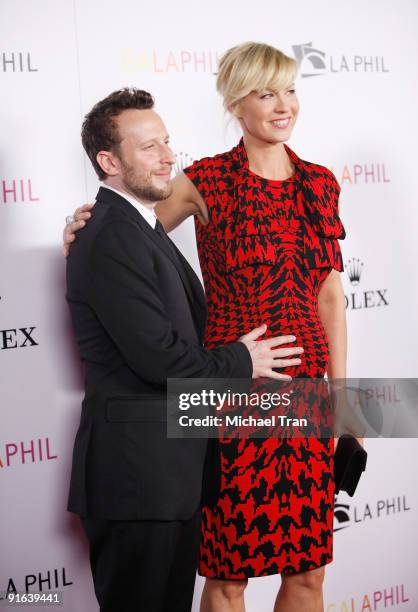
234	109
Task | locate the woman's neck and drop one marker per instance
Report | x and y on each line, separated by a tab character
268	160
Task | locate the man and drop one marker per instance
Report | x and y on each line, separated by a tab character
138	312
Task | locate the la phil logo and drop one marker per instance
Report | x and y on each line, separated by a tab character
38	582
24	453
182	60
16	191
315	62
381	599
364	174
359	300
17	61
347	516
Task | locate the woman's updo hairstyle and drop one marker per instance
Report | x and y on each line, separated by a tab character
253	67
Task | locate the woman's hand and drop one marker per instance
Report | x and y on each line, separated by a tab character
81	216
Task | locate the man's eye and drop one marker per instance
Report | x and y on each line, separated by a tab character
148	147
267	95
292	90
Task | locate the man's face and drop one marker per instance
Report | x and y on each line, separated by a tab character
144	157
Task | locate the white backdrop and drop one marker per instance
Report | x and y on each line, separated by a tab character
357	88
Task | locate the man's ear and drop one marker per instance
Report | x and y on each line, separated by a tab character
108	163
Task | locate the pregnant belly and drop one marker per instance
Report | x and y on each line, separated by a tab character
223	328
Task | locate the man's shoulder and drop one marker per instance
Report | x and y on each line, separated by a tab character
107	219
109	231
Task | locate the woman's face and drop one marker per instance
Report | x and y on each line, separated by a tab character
267	115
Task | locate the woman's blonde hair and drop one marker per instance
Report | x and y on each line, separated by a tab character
253	67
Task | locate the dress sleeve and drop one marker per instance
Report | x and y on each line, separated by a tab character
324	227
331	213
201	173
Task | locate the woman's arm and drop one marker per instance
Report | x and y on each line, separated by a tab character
331	306
184	201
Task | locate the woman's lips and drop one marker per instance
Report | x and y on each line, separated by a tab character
281	124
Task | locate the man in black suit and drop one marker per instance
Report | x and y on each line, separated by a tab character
138	312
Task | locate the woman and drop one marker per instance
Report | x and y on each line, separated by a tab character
267	230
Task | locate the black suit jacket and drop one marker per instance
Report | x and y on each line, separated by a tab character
139	316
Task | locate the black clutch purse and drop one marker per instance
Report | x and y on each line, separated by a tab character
350	460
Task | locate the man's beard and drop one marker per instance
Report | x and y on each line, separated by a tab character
144	190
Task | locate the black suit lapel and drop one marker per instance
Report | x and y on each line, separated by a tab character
188	277
190	281
197	294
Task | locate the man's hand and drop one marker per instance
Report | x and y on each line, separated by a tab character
81	215
265	355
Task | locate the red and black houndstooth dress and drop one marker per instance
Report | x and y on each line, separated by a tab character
264	254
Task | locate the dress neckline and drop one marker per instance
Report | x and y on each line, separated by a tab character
244	163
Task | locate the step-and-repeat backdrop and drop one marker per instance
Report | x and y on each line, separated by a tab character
357	89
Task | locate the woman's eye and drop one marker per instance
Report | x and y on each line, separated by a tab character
267	95
148	147
292	90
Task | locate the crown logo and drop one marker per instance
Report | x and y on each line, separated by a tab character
354	269
182	161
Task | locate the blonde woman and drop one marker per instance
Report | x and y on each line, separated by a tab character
267	228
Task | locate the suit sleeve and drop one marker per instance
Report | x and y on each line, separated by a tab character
125	296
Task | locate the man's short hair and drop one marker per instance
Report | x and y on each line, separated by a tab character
99	131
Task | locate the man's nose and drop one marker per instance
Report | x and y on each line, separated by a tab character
168	157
